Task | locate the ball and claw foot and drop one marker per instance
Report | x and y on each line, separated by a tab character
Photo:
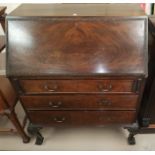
133	130
39	139
34	130
131	140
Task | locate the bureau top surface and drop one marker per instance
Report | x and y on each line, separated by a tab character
78	10
81	46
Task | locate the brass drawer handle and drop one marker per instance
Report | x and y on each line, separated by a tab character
105	88
55	105
53	89
105	102
59	119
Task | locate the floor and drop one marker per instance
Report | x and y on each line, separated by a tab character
83	139
93	138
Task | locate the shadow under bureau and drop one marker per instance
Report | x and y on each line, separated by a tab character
78	64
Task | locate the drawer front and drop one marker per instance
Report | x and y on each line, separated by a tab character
74	101
55	86
75	118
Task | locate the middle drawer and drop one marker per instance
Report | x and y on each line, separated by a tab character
76	101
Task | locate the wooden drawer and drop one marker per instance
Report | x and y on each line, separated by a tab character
75	118
55	86
75	101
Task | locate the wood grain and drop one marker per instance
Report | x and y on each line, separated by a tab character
2	42
78	65
77	46
81	118
80	102
77	86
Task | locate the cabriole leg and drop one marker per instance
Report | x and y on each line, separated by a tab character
12	116
34	130
133	130
131	139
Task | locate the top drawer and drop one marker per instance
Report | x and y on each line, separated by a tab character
83	86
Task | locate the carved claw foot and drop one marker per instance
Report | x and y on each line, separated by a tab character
133	130
34	130
131	139
39	139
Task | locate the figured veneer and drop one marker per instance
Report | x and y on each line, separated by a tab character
77	64
81	118
75	101
55	86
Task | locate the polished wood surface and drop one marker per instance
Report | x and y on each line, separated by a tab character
2	42
2	104
8	91
31	10
77	64
2	16
82	101
2	22
77	46
81	118
78	86
8	101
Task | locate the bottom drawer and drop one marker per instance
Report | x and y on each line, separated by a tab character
81	118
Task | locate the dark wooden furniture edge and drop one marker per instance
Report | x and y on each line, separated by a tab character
11	114
2	42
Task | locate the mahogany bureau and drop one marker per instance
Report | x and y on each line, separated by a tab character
78	64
